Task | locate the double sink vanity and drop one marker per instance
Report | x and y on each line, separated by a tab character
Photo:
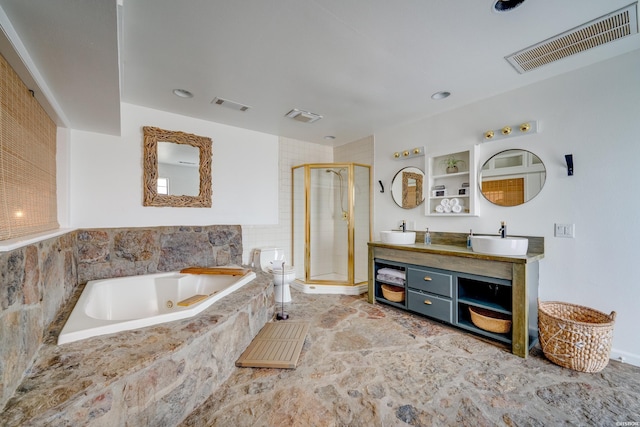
446	280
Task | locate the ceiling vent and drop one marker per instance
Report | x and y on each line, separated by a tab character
230	104
605	29
303	116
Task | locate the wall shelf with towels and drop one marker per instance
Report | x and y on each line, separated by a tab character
452	187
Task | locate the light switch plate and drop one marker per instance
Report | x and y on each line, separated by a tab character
565	230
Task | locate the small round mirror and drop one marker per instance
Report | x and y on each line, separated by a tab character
406	187
512	177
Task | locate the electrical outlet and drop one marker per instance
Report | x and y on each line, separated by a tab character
564	230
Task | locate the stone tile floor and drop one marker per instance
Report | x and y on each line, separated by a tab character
374	365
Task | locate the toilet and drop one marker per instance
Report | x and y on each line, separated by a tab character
272	260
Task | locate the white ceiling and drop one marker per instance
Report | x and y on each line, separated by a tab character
362	64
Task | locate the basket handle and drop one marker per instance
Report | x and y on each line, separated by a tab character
613	316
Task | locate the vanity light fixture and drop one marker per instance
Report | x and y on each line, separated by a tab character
524	128
182	93
410	153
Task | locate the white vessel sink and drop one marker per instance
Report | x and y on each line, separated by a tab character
495	245
398	237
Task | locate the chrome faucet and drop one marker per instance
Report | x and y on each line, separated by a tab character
403	227
503	229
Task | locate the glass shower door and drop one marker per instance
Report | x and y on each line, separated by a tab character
329	224
361	222
299	237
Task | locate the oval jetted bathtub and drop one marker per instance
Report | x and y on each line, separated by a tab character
113	305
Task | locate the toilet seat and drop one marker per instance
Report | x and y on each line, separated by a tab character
288	269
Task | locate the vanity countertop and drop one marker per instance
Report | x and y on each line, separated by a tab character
533	255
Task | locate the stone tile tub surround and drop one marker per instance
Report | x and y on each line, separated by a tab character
37	280
154	376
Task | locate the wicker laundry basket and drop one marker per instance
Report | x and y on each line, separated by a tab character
393	293
490	320
574	336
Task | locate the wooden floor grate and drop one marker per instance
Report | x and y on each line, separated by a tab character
277	345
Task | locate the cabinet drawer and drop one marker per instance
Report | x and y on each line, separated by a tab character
430	281
430	305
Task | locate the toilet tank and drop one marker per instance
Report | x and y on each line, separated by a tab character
264	257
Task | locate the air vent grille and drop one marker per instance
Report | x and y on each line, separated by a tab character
605	29
230	104
303	116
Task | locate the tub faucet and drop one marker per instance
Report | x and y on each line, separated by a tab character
403	226
503	229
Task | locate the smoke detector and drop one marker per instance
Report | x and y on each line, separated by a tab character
605	29
303	116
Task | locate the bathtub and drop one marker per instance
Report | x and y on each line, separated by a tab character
113	305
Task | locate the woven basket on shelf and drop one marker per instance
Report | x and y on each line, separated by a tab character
491	321
393	293
574	336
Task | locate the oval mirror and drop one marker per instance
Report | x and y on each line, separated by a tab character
512	177
406	187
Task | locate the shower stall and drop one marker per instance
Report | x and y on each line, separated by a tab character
331	225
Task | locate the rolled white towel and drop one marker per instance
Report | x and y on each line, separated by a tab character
454	202
392	272
447	209
439	208
444	202
456	208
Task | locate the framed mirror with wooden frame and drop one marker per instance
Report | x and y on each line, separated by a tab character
151	195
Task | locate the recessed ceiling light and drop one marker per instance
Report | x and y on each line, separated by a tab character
506	5
329	137
440	95
182	93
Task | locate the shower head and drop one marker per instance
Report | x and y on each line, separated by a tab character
337	173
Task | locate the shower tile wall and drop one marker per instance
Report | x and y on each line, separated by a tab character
292	153
360	151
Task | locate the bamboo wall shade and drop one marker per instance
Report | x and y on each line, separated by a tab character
27	160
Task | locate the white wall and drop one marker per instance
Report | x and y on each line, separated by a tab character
592	113
106	175
292	153
63	155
